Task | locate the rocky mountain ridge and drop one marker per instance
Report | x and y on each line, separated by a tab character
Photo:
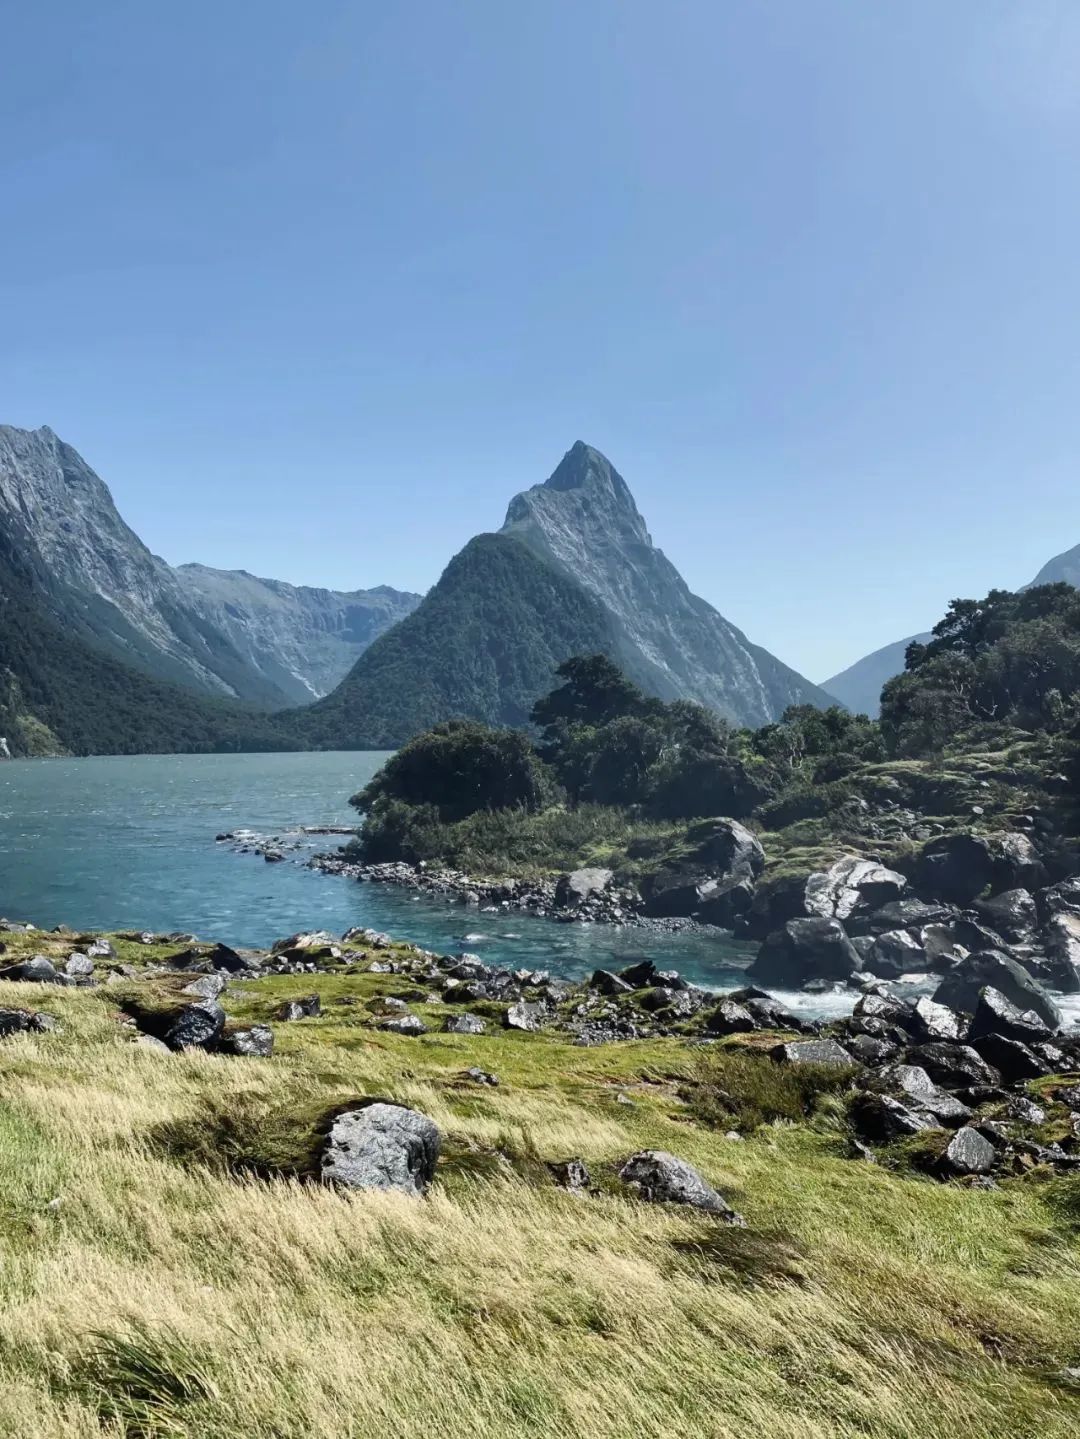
221	633
584	522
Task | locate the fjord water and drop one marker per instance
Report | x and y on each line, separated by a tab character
128	843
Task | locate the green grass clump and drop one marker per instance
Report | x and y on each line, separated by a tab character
743	1090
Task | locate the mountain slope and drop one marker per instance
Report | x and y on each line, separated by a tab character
303	640
60	694
100	582
1062	567
860	685
483	644
584	522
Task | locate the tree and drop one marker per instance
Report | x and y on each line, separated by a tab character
458	768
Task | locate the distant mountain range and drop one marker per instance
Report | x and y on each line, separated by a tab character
572	571
859	686
217	632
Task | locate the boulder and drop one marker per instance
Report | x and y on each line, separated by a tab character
866	1049
1017	863
643	974
730	1018
805	949
222	957
1012	913
196	1026
78	966
953	1066
574	889
306	1008
525	1016
885	1007
960	989
661	1178
382	1146
995	1015
969	1152
207	986
956	868
409	1025
1014	1059
895	953
481	1076
571	1174
23	1021
254	1043
1060	898
1061	940
812	1051
933	1021
881	1119
852	884
914	1087
713	878
908	913
604	982
465	1024
36	970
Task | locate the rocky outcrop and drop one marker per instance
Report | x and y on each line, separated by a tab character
711	879
805	949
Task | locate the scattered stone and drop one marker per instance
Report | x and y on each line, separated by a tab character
306	1008
407	1024
382	1146
197	1026
254	1043
812	1051
481	1076
464	1024
571	1174
730	1018
661	1178
526	1016
968	1152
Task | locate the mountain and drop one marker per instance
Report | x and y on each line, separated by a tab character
1062	567
573	571
303	640
211	631
484	644
61	694
859	686
583	522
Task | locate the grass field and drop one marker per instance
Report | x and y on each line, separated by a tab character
163	1273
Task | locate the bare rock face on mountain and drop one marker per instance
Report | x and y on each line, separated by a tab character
221	633
583	521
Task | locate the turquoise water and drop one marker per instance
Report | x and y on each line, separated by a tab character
128	843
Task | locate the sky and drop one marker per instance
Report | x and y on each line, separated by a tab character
317	288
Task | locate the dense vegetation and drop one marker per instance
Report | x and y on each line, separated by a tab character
165	1272
483	645
616	775
59	694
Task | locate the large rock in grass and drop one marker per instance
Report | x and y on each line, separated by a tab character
969	1152
254	1043
805	949
960	989
661	1178
382	1146
196	1026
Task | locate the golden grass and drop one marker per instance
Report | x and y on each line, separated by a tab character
142	1292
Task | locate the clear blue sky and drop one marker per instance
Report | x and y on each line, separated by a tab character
316	288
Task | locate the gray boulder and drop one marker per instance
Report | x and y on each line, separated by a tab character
714	878
197	1026
207	986
464	1024
572	890
1012	914
895	953
995	1015
805	949
933	1021
1061	939
960	989
78	966
812	1051
852	884
254	1043
953	1066
730	1018
410	1025
382	1146
968	1152
956	868
661	1178
881	1118
914	1087
1012	1057
526	1016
